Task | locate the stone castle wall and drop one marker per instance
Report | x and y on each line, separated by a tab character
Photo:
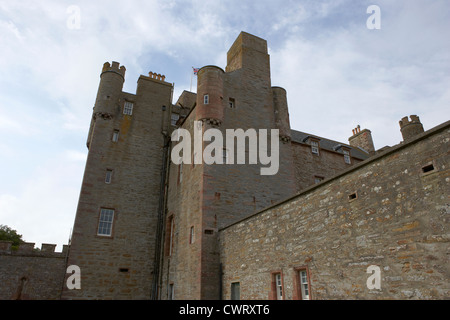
391	211
29	274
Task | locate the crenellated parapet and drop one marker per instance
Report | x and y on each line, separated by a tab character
27	248
114	67
410	128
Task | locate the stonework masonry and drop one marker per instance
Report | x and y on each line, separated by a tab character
147	228
398	220
29	274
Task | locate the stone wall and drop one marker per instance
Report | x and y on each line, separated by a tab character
391	211
120	265
30	274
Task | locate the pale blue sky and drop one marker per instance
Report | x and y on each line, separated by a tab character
337	73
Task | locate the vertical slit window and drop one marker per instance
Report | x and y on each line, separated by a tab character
108	177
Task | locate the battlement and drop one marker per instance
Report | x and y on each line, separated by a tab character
27	248
405	121
114	67
410	128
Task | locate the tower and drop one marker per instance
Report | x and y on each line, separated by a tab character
203	198
115	230
410	128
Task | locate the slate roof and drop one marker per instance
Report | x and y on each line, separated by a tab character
327	144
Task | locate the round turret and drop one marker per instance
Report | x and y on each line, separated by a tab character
409	129
109	90
281	113
210	95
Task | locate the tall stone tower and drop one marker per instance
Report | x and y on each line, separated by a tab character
204	198
115	230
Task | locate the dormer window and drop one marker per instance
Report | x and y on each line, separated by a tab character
347	158
315	146
174	118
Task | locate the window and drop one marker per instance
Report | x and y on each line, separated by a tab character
235	291
352	196
108	176
315	147
171	292
115	136
428	168
191	235
231	103
206	99
105	222
128	108
279	286
347	158
304	285
318	179
174	118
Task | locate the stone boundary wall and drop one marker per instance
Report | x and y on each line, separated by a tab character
31	274
391	211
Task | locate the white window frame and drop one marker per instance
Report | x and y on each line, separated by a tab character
347	158
115	136
206	99
314	147
304	285
128	108
278	286
105	222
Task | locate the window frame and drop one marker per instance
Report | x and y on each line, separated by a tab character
347	156
115	136
231	103
277	287
234	285
110	223
108	176
315	146
128	108
298	282
172	119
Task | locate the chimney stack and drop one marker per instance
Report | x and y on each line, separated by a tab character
362	139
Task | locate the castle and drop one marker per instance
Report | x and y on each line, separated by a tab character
147	228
